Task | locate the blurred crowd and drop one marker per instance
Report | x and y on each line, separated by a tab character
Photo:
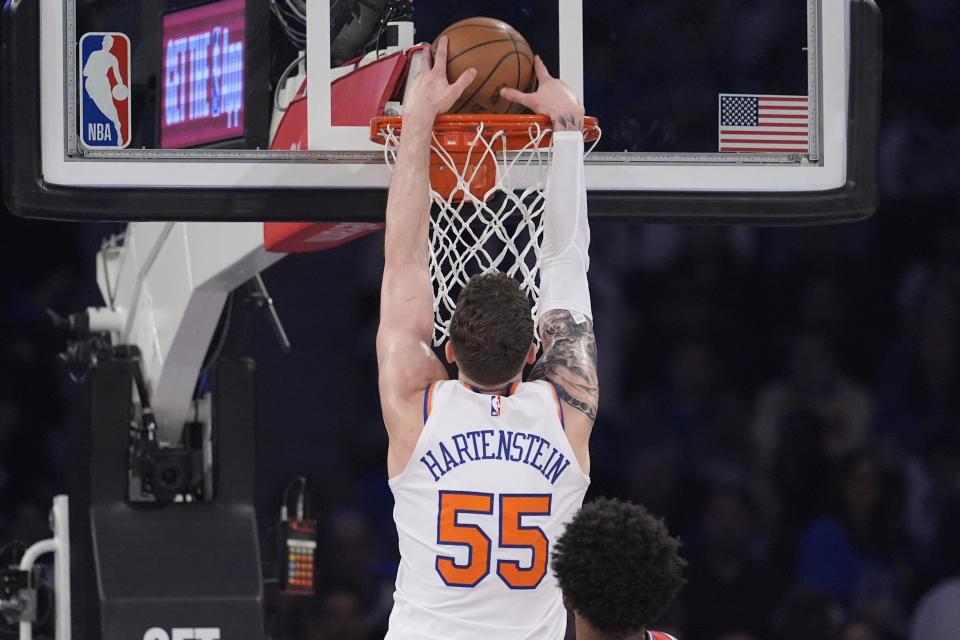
787	399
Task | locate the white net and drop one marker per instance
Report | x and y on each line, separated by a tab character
484	222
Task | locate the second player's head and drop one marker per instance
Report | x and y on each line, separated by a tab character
618	567
491	329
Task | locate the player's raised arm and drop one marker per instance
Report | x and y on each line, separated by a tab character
406	363
565	317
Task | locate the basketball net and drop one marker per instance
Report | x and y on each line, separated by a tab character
487	177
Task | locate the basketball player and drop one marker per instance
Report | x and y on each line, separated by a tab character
487	469
618	568
97	82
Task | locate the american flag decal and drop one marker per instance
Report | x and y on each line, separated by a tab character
764	123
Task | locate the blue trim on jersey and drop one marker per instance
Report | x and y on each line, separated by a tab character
563	422
426	403
509	391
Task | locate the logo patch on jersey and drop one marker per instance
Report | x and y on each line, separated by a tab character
105	90
495	403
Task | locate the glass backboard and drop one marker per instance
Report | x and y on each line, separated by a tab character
259	109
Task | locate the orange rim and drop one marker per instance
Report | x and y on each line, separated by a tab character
516	127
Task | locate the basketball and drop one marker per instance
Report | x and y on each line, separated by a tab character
120	92
501	57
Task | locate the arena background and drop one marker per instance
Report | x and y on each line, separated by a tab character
788	399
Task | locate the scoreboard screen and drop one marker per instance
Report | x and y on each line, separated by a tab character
203	75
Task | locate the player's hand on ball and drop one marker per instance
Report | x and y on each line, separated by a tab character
430	92
552	97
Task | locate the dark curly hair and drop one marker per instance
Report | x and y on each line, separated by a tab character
491	329
618	566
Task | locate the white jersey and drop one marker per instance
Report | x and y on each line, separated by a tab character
490	486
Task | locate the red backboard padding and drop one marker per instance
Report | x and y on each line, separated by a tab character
300	237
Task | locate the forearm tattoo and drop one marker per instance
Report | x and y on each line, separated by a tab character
569	359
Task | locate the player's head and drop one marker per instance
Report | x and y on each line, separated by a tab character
107	43
618	567
491	331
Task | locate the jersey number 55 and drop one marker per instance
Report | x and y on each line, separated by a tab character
512	534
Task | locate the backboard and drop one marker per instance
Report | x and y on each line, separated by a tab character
733	111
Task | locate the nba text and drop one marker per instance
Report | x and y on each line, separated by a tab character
490	444
203	77
100	132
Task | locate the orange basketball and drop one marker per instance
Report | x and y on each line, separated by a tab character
501	57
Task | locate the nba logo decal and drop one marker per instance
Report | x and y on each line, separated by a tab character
105	90
495	405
